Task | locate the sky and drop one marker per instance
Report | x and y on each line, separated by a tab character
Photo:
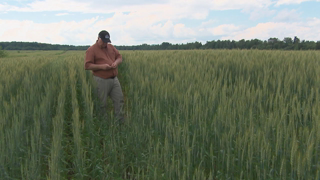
136	22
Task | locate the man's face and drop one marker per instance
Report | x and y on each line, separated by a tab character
101	43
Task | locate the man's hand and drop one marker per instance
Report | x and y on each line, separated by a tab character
107	67
114	65
116	62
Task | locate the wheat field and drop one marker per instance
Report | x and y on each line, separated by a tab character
195	114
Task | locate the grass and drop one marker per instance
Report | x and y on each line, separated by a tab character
203	114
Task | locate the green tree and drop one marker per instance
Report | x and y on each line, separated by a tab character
165	45
197	45
255	43
241	44
273	43
296	40
3	53
288	43
288	40
318	45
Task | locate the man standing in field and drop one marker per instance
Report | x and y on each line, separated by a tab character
102	59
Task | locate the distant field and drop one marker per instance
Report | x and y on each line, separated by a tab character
196	114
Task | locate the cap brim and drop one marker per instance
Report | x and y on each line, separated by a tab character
106	40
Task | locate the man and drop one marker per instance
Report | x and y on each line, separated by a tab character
102	59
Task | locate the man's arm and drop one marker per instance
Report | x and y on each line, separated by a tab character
116	62
95	67
118	58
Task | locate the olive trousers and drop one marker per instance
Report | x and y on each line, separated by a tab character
110	87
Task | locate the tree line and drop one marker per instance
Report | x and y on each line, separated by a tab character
287	43
38	46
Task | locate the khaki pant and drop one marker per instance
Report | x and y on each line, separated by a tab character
110	87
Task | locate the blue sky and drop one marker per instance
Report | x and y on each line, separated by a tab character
134	22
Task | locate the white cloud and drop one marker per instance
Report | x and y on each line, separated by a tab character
261	31
99	6
287	16
54	5
224	29
209	23
181	31
133	32
243	4
283	2
55	33
164	30
62	14
259	13
196	9
130	32
309	30
153	22
5	7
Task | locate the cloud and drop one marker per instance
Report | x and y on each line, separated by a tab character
181	31
209	23
55	33
175	9
309	30
164	9
62	14
152	22
224	29
134	31
259	13
53	5
286	2
99	6
287	16
261	31
158	10
5	8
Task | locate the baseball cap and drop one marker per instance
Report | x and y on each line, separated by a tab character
105	36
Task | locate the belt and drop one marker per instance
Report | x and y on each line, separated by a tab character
112	77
